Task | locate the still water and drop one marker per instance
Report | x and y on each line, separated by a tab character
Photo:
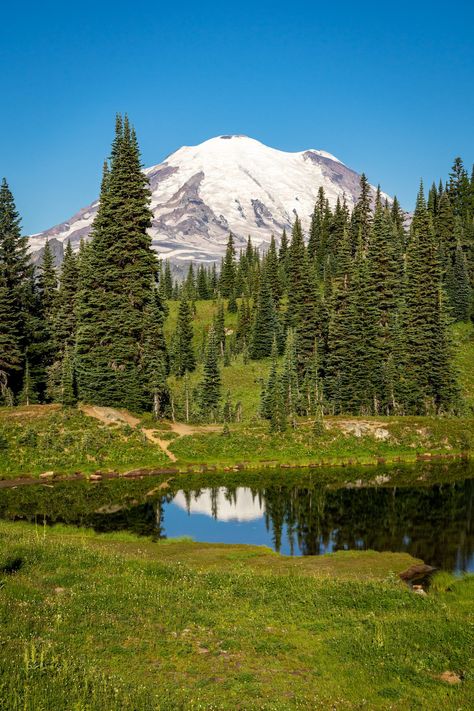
427	513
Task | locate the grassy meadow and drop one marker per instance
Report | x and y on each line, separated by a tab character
112	622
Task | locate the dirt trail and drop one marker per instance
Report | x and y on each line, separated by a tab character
110	416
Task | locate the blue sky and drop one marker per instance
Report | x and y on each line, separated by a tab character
388	88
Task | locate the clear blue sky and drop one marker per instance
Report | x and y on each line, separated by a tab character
386	87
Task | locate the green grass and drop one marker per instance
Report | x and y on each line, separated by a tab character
254	445
463	343
47	438
109	622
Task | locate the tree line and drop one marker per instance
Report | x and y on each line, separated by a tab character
353	316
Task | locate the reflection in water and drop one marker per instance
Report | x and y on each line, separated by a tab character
431	522
238	505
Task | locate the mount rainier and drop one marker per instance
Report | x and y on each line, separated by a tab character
226	184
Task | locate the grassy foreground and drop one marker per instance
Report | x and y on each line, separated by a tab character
46	438
113	622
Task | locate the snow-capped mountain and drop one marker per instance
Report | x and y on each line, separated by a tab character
226	184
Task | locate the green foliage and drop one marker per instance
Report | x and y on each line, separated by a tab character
210	388
117	273
183	358
265	327
340	626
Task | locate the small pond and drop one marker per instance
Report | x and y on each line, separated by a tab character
424	510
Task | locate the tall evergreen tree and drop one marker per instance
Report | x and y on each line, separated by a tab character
428	372
17	273
210	388
361	220
271	268
63	322
266	326
228	271
10	346
155	356
458	287
183	354
117	283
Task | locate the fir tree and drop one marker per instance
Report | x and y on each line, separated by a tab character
28	395
304	306
458	287
68	379
63	320
155	357
361	220
271	268
117	284
210	389
428	372
202	285
10	346
167	281
190	284
183	354
219	327
17	273
228	271
289	377
232	304
266	326
383	299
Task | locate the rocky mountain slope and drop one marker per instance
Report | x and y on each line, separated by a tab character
226	184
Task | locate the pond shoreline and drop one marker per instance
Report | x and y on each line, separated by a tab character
50	478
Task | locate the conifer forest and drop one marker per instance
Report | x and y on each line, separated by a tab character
354	316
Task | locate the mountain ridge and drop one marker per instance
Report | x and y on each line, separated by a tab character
230	183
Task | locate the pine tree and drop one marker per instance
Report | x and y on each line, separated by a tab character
459	188
445	232
384	261
213	282
266	326
278	420
219	327
430	385
339	223
232	304
210	388
117	283
190	284
68	379
271	268
28	395
267	397
228	271
289	377
283	261
155	357
398	221
63	321
458	287
362	216
183	354
304	303
167	281
202	285
10	346
17	273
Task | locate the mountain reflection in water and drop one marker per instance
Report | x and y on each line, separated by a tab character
430	521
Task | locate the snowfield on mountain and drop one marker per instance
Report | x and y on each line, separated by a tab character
226	184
